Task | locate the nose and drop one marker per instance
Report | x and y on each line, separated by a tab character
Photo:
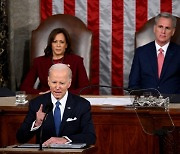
58	86
58	44
163	30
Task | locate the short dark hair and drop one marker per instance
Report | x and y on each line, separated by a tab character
166	15
52	35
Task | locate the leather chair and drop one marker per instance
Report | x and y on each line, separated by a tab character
81	37
146	34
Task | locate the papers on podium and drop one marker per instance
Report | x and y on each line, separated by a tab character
68	146
55	146
7	97
8	101
114	101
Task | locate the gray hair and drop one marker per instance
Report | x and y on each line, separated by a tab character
166	15
61	67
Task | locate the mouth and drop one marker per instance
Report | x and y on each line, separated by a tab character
58	50
57	92
57	95
162	35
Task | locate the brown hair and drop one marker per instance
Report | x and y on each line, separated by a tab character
52	35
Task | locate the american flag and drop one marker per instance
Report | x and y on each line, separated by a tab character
113	23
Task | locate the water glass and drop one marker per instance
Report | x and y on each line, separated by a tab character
21	96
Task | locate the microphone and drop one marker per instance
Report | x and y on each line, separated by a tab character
48	108
138	91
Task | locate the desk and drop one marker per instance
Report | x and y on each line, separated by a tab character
117	128
11	150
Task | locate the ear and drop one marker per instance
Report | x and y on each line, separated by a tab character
48	81
173	31
154	28
69	83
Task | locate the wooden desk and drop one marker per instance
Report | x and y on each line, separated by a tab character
117	128
12	150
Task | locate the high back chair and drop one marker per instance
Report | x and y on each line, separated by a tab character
146	34
81	37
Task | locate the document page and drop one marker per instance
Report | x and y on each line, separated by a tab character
115	101
57	146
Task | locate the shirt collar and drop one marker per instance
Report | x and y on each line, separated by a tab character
163	47
62	100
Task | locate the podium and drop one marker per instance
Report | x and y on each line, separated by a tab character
13	150
117	128
149	104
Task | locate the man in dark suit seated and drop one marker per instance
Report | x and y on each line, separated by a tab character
68	121
157	64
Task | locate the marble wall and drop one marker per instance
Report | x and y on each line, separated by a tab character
23	17
4	42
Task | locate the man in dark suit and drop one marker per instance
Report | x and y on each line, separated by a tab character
75	121
157	64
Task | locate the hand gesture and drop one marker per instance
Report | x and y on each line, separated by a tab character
39	116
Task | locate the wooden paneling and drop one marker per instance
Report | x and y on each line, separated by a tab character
117	128
118	131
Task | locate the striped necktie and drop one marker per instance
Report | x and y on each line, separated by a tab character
57	117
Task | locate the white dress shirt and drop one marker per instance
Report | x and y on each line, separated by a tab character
163	47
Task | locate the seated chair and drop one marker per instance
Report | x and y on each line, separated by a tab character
81	37
146	34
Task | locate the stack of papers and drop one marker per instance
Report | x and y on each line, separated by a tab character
68	146
8	101
115	101
56	146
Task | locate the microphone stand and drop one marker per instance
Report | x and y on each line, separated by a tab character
154	100
40	138
161	135
48	108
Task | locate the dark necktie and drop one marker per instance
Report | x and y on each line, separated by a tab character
160	61
57	117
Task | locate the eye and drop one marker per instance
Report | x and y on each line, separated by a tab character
168	28
160	26
61	41
54	41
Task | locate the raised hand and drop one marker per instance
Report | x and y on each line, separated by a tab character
39	116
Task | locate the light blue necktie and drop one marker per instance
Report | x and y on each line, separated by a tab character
57	117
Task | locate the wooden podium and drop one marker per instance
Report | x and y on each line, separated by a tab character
14	150
117	129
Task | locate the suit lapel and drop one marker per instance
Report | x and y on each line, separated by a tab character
67	111
153	59
168	58
50	122
50	118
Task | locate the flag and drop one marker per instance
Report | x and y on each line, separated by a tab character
113	23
